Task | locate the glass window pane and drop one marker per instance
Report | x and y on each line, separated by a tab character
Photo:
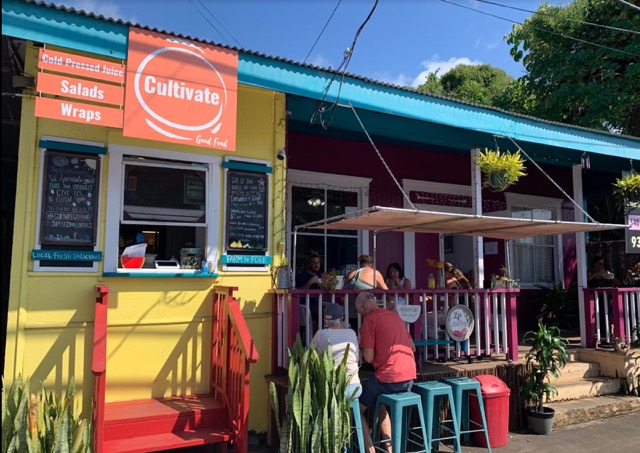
341	251
341	202
307	205
306	245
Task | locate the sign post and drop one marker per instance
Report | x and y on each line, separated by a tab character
632	234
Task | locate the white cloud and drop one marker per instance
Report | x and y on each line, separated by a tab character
442	66
107	8
319	60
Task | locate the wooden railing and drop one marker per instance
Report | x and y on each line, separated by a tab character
232	352
496	327
611	313
99	365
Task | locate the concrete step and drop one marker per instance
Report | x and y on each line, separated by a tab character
574	371
589	409
585	388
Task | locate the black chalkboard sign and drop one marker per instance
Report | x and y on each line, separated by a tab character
69	198
246	211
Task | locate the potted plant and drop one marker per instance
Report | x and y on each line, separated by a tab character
329	280
547	356
628	187
316	415
503	280
282	275
501	169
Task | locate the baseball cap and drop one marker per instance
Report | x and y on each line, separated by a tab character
332	312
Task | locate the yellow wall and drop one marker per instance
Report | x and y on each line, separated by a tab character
159	328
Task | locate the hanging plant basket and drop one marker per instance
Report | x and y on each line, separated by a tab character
628	188
501	169
497	181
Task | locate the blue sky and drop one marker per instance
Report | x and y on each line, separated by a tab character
400	44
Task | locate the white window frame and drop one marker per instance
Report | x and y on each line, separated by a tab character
115	194
536	202
265	268
36	265
317	180
414	185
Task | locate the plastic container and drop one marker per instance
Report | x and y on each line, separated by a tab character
133	256
191	258
495	396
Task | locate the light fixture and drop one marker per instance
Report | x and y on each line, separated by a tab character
281	154
315	202
585	162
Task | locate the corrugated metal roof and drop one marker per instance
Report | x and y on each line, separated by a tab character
297	63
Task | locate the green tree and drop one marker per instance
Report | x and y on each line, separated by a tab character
592	80
480	84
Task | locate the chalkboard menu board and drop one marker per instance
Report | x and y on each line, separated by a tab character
246	211
69	198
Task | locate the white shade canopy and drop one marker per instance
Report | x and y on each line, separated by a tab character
379	219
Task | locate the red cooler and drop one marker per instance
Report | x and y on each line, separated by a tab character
495	396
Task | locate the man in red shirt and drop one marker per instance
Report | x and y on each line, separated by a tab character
386	344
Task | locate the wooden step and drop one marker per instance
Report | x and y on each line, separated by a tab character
586	388
574	371
166	441
181	421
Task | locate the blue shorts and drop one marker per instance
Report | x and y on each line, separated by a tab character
373	387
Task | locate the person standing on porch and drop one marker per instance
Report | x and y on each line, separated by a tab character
396	280
599	277
366	277
386	344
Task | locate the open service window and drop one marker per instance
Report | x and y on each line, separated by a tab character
162	211
68	206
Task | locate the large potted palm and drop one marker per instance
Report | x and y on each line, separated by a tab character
547	356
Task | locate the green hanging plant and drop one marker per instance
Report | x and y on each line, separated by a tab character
501	169
628	187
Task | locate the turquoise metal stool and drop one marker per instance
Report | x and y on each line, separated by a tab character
431	394
400	407
356	426
462	386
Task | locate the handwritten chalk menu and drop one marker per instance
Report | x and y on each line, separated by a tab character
246	211
69	198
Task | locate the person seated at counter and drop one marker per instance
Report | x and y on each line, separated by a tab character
311	278
365	277
599	277
396	280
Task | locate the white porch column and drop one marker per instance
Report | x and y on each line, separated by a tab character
476	203
581	252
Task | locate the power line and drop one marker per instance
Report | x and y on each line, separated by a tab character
324	106
637	8
544	31
211	23
323	29
544	13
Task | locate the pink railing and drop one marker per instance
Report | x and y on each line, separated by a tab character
611	313
232	353
496	329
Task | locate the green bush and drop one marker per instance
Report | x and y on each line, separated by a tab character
316	415
42	422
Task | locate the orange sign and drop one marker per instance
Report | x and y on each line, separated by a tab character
68	63
180	91
78	112
86	90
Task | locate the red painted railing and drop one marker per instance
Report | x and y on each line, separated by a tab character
611	313
232	352
99	365
496	326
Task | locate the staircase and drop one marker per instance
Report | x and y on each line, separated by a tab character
157	424
588	389
162	424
